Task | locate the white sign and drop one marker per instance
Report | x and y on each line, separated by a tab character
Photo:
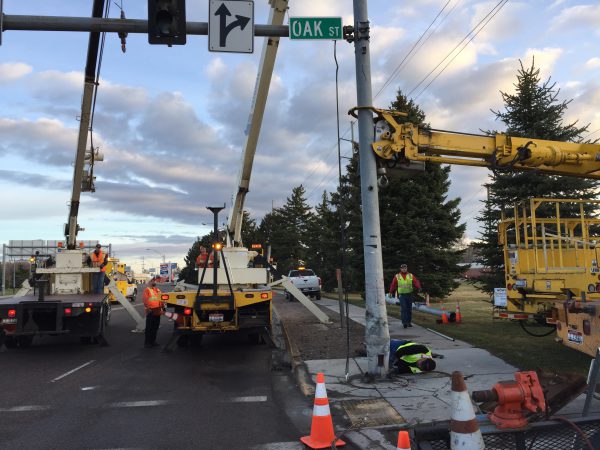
499	296
164	270
231	26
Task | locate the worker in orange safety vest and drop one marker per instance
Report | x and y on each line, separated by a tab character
99	259
154	308
203	257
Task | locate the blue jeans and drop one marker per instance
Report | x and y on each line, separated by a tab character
406	308
394	344
98	283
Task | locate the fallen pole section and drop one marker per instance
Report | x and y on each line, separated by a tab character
436	312
441	335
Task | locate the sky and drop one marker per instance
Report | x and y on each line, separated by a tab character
171	121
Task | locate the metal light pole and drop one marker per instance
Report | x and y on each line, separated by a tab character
377	334
157	252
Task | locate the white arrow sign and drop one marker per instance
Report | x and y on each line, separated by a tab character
231	26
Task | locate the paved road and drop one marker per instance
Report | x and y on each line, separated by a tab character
59	394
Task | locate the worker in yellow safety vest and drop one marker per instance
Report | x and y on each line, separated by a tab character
410	357
154	308
403	285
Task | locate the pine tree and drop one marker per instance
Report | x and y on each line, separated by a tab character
323	244
286	230
419	226
533	111
189	273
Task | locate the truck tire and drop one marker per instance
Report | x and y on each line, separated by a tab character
85	340
196	339
254	338
318	295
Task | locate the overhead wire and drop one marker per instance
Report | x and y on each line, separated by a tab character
396	71
414	48
497	7
454	57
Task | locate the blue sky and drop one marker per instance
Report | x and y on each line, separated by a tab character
171	121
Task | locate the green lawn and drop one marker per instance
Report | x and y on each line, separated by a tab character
502	338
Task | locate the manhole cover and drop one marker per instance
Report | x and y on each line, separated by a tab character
372	412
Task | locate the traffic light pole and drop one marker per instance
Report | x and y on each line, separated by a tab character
377	336
58	23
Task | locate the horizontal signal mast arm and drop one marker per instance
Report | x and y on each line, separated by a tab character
405	142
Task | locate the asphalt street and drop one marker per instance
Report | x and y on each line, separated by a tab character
60	394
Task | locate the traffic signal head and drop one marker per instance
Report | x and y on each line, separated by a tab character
166	22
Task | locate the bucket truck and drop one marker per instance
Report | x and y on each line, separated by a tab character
238	299
552	273
60	300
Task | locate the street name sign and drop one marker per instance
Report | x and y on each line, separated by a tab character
329	28
231	26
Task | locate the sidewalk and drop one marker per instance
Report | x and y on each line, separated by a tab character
405	400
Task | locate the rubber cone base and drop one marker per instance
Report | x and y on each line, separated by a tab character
310	442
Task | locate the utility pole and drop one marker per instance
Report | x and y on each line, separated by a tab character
377	334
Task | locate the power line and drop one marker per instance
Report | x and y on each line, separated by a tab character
454	57
499	5
396	71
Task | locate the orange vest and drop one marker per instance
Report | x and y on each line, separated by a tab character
152	299
98	260
201	260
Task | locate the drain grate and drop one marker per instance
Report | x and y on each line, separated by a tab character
371	413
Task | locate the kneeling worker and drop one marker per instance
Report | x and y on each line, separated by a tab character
410	357
153	308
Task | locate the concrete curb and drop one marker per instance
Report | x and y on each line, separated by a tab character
299	368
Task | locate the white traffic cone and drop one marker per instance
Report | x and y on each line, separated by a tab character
464	429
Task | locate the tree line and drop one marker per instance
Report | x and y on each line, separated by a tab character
420	226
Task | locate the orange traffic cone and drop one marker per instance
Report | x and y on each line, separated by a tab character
444	315
321	430
403	441
464	429
458	316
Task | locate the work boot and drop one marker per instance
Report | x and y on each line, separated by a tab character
410	325
404	325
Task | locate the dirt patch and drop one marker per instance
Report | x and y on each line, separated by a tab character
310	339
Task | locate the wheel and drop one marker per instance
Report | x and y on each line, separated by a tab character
318	295
24	341
85	340
10	342
183	340
134	296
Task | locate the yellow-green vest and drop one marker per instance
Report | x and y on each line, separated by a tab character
411	359
405	285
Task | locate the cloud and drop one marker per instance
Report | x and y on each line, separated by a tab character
13	71
578	18
592	63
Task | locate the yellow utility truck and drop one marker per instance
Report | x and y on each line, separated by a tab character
550	245
551	253
116	270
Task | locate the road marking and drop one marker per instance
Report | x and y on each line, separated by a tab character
258	398
138	404
25	408
73	371
89	388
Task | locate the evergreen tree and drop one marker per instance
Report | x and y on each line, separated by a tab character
419	226
533	111
323	244
286	230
